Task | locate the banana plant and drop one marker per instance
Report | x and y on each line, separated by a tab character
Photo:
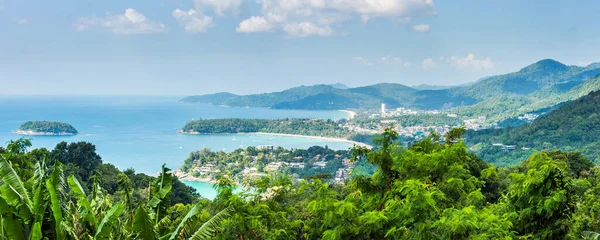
42	207
22	214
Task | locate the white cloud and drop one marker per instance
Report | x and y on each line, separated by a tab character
324	14
220	6
470	62
22	21
254	24
394	60
428	63
390	59
306	29
422	28
192	21
131	22
362	60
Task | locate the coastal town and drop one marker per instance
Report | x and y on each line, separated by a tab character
412	123
247	165
252	163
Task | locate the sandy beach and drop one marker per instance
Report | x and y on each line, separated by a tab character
292	135
350	113
314	137
32	133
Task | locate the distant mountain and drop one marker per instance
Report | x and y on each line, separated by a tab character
339	86
215	98
537	86
593	65
532	78
430	87
575	126
326	97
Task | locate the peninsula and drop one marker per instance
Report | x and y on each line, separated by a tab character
313	128
46	128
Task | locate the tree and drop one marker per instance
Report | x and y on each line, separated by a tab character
542	198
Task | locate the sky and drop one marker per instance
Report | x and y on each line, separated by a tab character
184	47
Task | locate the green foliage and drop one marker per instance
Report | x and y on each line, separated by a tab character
574	126
252	157
432	190
542	198
45	207
308	127
48	127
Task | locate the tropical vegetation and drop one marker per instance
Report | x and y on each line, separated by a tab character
574	126
48	127
298	126
434	189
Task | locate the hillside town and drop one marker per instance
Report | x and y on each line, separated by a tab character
252	163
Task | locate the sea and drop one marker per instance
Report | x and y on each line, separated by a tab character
140	132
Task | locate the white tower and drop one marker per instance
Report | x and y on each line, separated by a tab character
383	110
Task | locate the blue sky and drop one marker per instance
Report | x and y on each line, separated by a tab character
180	47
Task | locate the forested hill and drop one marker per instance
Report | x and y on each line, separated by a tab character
327	97
47	128
307	127
537	86
573	127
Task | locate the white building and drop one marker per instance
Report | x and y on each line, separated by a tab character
383	110
274	166
320	164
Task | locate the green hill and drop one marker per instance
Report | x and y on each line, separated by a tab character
46	128
575	126
538	86
326	97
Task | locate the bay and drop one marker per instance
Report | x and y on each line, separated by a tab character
140	131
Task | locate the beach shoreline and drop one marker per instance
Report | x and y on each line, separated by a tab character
313	137
34	133
181	175
351	114
333	139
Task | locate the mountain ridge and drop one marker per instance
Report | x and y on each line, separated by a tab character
546	78
574	125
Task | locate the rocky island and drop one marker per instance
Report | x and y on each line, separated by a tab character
46	128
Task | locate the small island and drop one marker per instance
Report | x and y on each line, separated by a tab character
46	128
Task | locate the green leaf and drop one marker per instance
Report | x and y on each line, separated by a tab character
185	219
587	235
82	200
15	191
162	188
13	227
109	220
52	185
210	227
142	225
36	231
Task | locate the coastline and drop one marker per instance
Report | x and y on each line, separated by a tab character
351	114
34	133
185	176
313	137
289	135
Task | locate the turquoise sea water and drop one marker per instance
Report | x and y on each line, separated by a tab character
140	132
